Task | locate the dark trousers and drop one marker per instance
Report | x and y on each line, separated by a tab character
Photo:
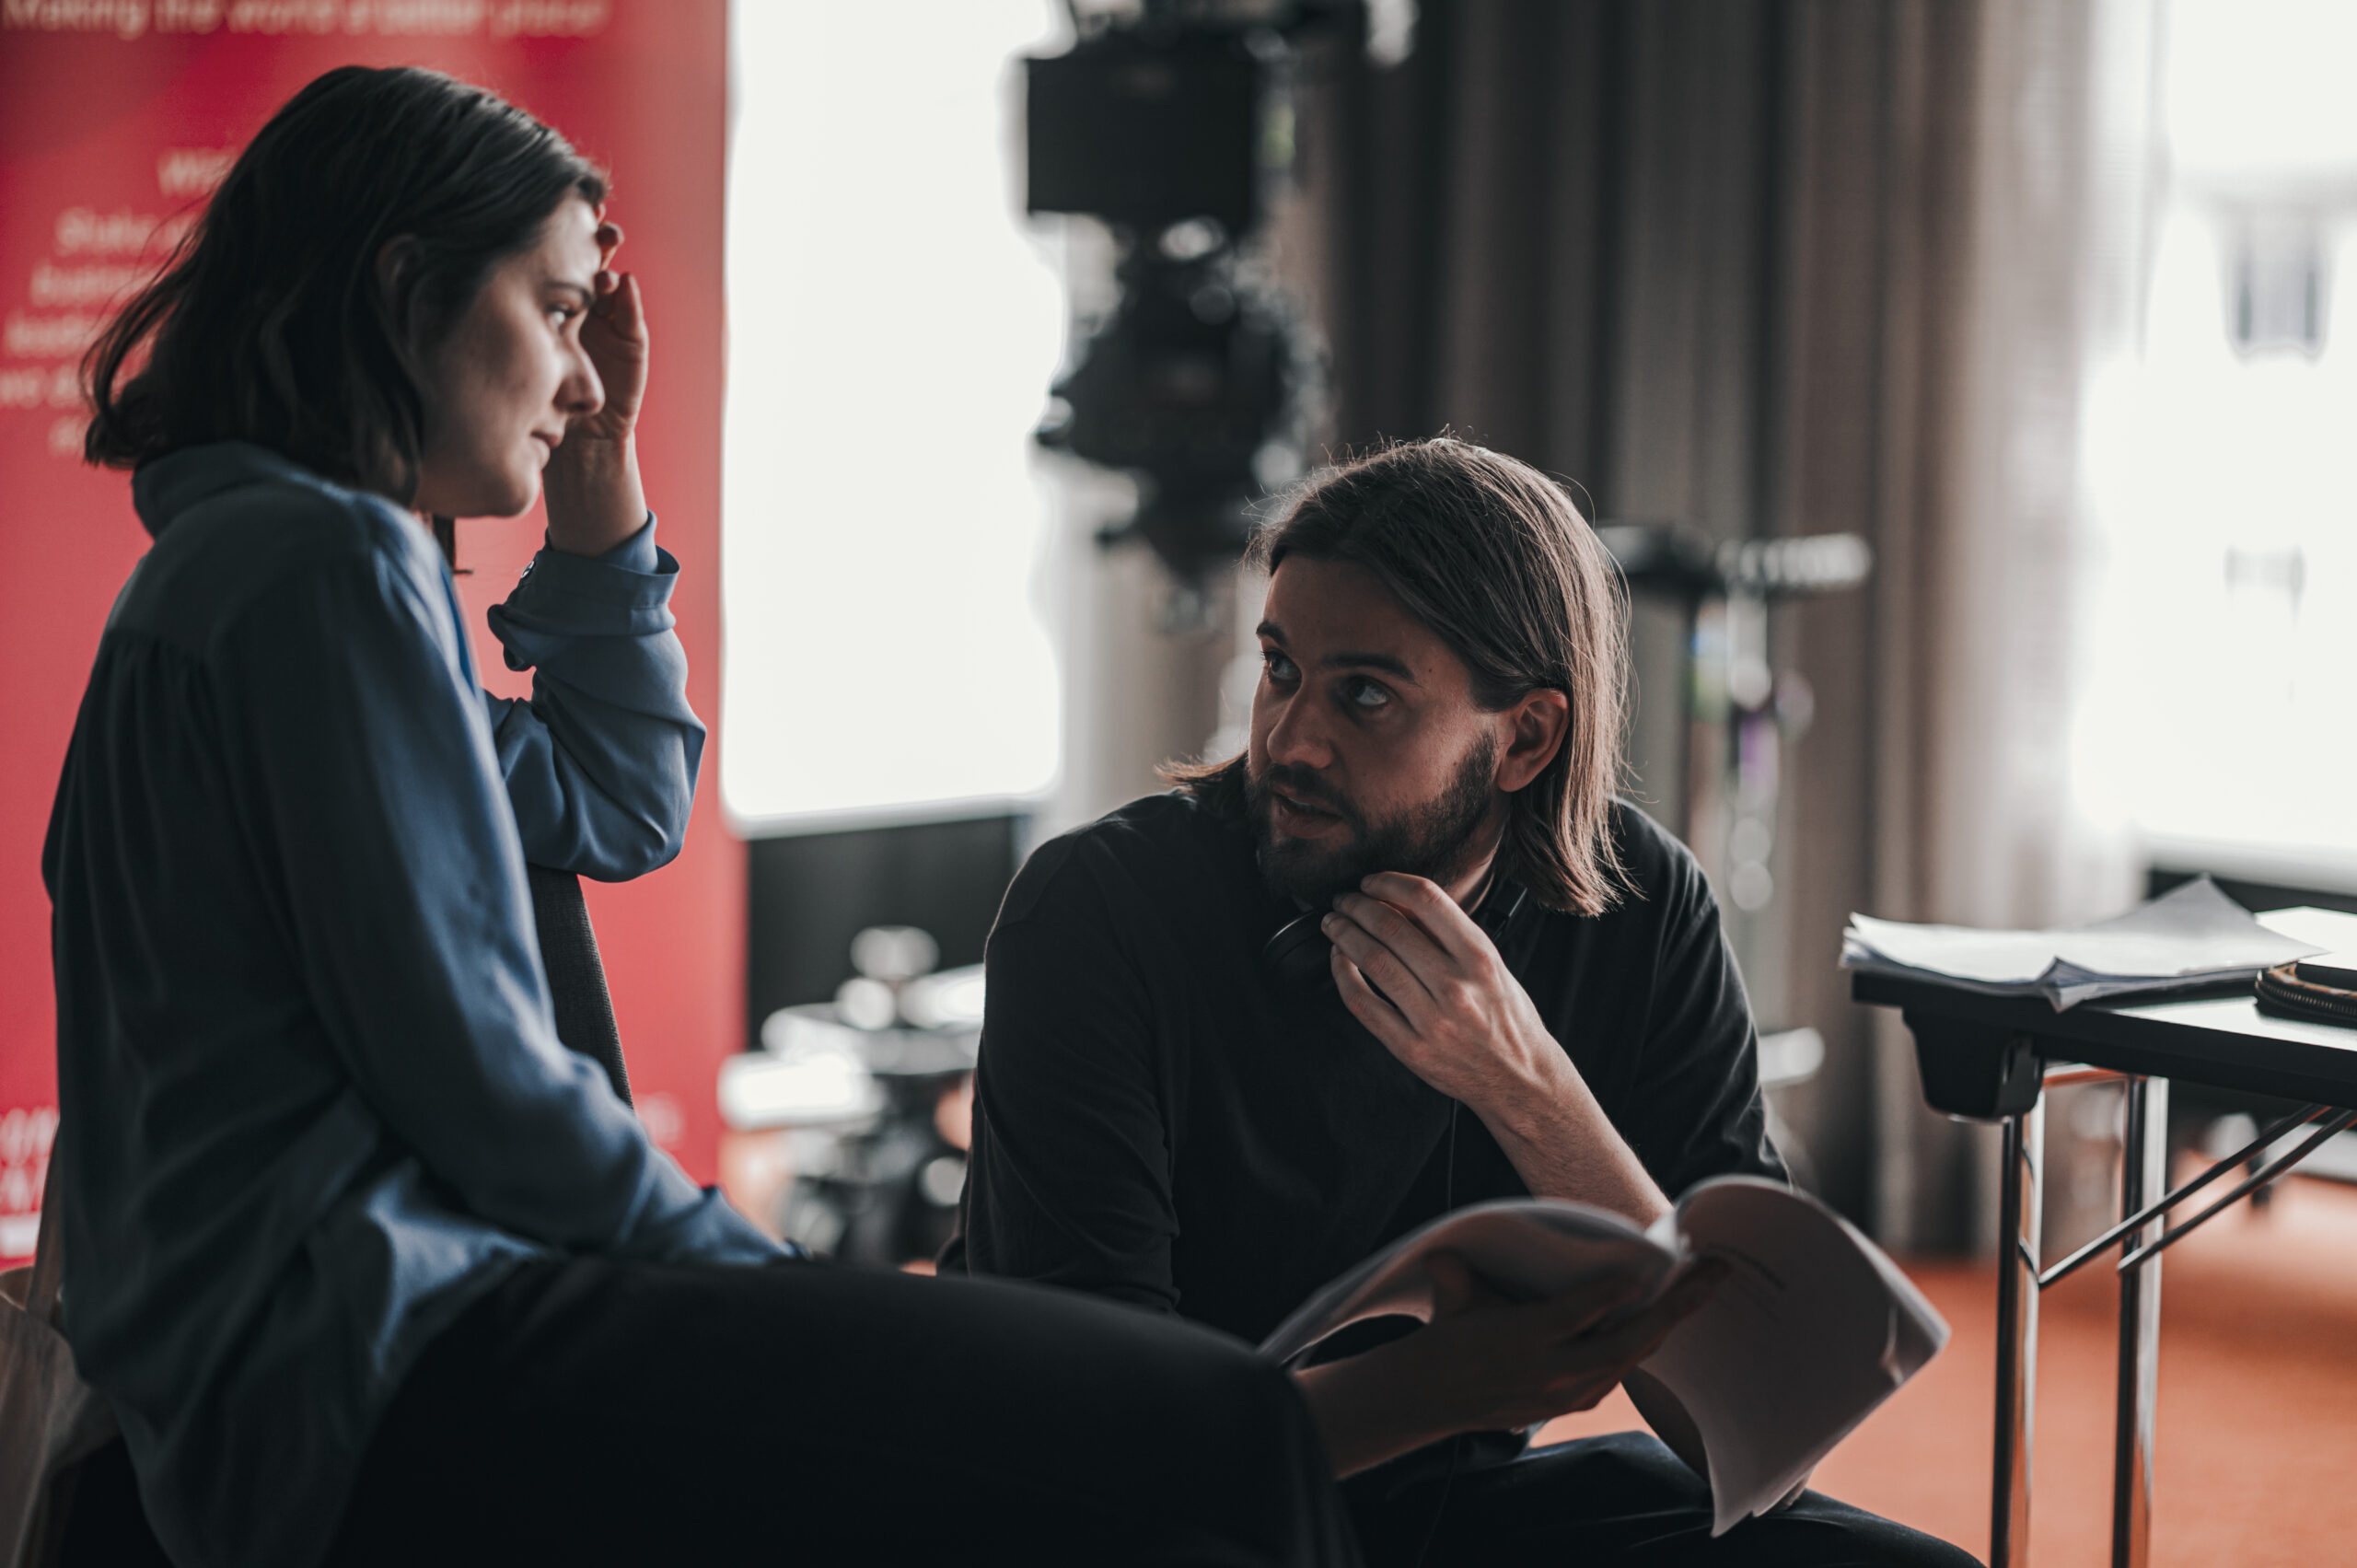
1623	1500
593	1412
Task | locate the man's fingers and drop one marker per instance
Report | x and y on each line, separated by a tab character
1699	1284
1579	1321
1382	1019
1633	1340
1454	1285
1578	1310
1378	963
1429	905
1423	956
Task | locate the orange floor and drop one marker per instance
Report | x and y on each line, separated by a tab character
2258	1452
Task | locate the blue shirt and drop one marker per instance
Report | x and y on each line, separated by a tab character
313	1097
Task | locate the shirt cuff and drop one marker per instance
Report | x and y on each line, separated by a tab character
636	553
624	592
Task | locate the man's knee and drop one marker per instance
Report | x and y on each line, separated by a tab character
1625	1497
1821	1529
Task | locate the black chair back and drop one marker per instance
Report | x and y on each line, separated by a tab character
585	1009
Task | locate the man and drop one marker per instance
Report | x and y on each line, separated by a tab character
1526	994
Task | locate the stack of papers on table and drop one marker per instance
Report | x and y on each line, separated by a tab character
2191	936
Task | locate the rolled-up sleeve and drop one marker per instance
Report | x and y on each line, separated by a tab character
371	791
601	761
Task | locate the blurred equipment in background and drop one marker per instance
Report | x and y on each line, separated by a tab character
1740	714
848	1128
1167	123
1788	1057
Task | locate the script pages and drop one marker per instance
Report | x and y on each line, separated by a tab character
1813	1330
2191	937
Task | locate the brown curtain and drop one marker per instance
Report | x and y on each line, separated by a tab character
1759	268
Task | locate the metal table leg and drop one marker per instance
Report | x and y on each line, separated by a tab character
2143	1176
2018	1240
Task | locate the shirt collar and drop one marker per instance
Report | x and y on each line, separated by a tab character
163	489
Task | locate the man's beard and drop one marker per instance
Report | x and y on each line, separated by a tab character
1438	840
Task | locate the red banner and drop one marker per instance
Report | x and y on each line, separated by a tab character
117	117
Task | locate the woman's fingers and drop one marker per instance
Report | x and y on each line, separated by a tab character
630	310
619	310
610	239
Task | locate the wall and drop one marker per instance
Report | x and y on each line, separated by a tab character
113	116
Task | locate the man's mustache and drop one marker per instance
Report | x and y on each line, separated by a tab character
1305	786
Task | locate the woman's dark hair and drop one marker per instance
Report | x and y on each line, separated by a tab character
1495	558
270	324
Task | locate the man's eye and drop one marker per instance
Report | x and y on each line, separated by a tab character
1367	695
1280	669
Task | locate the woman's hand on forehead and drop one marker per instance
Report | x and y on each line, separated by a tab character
615	336
610	239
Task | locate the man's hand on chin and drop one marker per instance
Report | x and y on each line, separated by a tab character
1430	984
1449	1009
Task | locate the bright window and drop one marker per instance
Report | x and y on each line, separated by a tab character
2224	460
892	333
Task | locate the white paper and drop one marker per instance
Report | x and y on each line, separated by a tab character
2332	931
1814	1329
1529	1249
2007	957
2190	936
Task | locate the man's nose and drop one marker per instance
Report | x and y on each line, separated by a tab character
1297	737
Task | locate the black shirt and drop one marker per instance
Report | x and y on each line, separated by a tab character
1158	1120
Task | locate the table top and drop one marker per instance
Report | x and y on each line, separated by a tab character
2222	1040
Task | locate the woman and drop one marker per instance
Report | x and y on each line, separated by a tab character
370	1267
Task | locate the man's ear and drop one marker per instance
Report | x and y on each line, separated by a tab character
1536	727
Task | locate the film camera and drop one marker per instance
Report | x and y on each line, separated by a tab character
1169	128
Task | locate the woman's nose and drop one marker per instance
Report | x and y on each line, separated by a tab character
581	393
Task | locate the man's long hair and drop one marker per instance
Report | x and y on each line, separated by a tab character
1495	558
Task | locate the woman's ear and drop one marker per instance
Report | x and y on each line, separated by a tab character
395	259
1535	726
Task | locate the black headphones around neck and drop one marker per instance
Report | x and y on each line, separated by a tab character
1295	958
